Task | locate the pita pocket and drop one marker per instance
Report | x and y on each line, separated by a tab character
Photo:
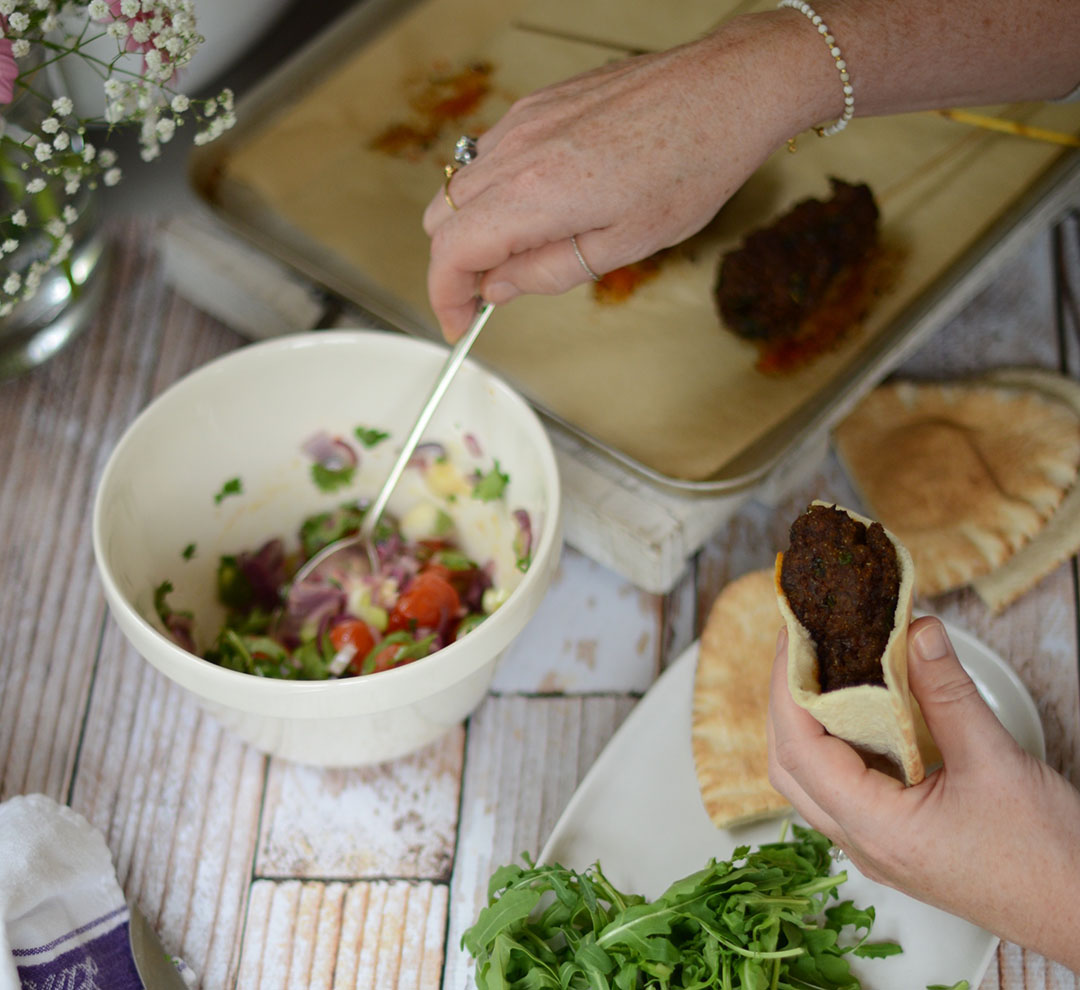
881	718
1059	539
965	474
731	701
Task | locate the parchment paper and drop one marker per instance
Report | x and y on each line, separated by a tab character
656	377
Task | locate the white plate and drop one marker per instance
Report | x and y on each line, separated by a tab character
639	813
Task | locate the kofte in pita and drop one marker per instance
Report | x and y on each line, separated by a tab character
731	701
964	474
844	587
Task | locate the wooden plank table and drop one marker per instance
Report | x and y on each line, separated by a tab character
266	874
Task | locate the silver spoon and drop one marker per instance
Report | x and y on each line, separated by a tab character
364	538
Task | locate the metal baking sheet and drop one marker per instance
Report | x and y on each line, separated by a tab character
941	293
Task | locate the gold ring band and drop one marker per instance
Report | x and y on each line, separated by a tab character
449	170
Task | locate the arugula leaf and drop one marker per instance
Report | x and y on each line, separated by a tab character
369	437
490	486
234	486
758	921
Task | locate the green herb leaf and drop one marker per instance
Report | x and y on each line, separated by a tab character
490	486
234	486
370	437
331	479
188	552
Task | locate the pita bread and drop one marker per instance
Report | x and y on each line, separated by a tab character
879	720
1059	539
964	474
731	701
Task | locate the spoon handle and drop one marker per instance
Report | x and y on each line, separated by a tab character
442	383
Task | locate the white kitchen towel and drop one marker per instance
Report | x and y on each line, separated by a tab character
65	920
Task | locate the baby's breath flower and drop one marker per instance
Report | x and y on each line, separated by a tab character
13	283
19	218
107	157
35	185
50	125
55	227
61	141
9	245
98	10
19	21
42	152
7	7
20	48
111	177
179	103
63	106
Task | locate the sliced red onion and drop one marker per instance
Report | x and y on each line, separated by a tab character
331	452
427	453
523	539
180	628
472	445
265	572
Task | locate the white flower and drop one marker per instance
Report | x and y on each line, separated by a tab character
140	31
88	153
112	176
70	214
49	22
165	129
50	125
130	8
19	21
63	106
55	227
9	246
20	48
13	283
98	10
62	141
180	103
6	308
19	218
42	152
72	185
7	7
118	30
114	88
35	185
62	249
107	157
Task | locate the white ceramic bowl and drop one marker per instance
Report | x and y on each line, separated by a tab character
246	415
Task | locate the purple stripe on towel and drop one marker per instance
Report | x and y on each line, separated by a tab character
72	934
104	962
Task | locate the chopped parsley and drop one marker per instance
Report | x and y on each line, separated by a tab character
234	486
370	437
188	552
328	479
490	486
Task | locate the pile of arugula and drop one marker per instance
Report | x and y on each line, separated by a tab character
758	921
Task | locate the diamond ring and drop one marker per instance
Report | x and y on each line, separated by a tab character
465	150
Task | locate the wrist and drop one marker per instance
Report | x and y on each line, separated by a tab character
794	79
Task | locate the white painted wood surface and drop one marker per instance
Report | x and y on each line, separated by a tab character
268	875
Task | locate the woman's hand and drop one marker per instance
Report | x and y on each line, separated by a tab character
630	158
993	836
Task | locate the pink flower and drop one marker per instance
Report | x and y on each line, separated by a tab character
9	71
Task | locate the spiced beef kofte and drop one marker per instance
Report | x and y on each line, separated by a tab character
842	580
799	285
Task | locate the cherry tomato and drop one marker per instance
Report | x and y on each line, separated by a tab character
427	602
384	659
356	633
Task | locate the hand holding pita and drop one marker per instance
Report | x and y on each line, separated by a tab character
993	835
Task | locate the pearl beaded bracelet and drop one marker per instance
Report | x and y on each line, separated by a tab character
834	49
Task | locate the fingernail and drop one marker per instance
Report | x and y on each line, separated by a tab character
500	292
931	641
